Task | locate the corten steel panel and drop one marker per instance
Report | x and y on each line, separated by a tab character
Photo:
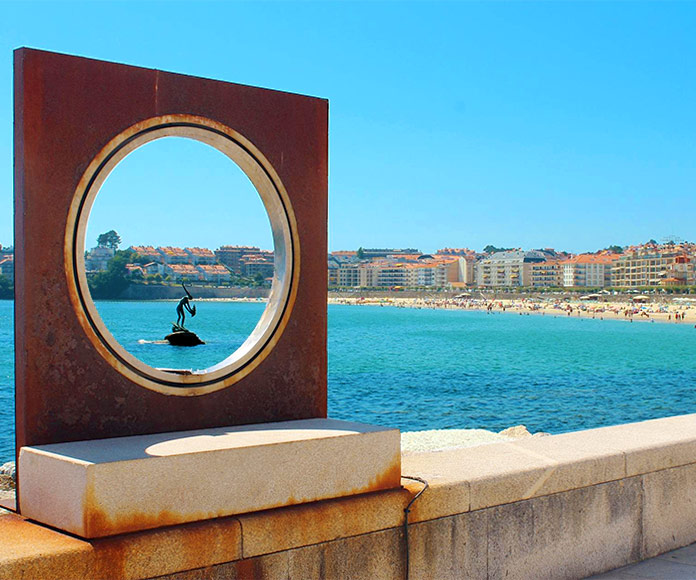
66	110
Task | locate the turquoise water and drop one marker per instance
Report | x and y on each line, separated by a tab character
6	380
425	369
141	326
428	369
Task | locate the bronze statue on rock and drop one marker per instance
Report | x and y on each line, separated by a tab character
180	336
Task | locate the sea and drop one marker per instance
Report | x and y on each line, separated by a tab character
419	369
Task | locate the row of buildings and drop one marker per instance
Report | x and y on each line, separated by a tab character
193	264
7	263
637	266
399	270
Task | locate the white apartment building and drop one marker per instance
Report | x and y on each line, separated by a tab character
431	273
667	268
588	270
547	274
467	270
508	269
354	275
440	272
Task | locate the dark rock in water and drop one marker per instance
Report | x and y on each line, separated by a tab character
183	338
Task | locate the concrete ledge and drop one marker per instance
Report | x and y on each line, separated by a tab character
111	486
32	551
478	477
565	506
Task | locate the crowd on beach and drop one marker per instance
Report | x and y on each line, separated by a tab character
662	310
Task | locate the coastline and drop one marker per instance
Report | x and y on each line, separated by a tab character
666	311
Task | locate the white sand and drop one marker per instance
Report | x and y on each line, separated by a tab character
659	309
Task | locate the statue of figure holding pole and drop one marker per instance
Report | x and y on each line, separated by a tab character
183	306
180	336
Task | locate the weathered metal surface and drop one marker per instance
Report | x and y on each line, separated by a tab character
66	111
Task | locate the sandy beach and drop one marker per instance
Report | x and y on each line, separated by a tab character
665	310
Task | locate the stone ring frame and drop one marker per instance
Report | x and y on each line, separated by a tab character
286	255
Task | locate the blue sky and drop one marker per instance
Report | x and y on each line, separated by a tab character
560	124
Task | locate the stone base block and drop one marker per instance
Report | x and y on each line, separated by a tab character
110	486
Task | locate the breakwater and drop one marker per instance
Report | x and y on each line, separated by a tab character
167	292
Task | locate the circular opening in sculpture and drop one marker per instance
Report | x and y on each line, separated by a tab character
179	254
235	298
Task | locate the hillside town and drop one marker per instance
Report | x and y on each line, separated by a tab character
169	263
665	265
7	263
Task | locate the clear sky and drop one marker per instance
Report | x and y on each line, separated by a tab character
561	124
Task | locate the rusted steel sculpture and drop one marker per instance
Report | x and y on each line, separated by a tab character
75	118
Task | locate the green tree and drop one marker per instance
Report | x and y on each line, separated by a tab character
112	282
615	249
6	288
138	259
490	249
360	254
110	239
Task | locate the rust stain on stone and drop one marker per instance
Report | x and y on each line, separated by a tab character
174	549
15	529
97	523
389	478
250	569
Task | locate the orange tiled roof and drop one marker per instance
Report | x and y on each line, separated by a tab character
172	251
214	269
144	250
344	253
592	259
196	251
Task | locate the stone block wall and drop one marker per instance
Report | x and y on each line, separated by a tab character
566	506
